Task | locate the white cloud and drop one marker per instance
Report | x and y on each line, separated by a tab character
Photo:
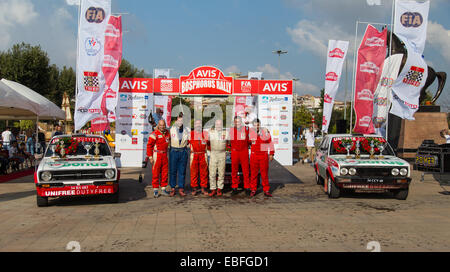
73	2
313	37
300	87
16	13
231	69
439	38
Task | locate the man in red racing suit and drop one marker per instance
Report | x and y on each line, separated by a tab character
262	151
199	160
157	146
239	154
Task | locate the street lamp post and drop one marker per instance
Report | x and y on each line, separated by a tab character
296	99
279	52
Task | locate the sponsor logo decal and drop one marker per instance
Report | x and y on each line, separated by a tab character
411	19
414	76
365	121
336	53
374	41
81	164
365	95
95	15
91	81
331	76
327	98
369	67
92	46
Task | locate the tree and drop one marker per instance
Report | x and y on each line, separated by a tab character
28	65
128	70
302	119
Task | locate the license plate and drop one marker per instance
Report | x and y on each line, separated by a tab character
426	160
374	180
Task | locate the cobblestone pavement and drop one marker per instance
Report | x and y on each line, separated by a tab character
299	217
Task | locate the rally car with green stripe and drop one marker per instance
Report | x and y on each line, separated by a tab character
360	163
76	165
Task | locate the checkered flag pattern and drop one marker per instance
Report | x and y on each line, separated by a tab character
91	83
414	76
166	86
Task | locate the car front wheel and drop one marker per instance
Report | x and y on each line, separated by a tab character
41	201
333	190
401	194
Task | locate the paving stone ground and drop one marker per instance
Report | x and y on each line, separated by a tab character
299	218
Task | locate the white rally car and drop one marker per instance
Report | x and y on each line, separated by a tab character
360	163
75	165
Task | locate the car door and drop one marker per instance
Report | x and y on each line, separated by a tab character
322	154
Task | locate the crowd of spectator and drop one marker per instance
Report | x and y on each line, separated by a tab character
17	149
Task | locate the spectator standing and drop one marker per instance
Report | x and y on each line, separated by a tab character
7	138
30	142
58	131
310	143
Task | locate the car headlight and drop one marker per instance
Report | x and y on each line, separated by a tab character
404	171
395	172
352	171
46	176
109	174
344	171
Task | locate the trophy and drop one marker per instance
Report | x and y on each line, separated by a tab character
97	151
381	147
372	150
348	146
87	146
357	151
63	151
54	152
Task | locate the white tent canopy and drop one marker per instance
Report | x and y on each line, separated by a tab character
18	102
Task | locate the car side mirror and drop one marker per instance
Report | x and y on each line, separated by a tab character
117	155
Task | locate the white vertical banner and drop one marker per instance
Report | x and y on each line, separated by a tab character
275	114
410	25
337	50
94	16
132	127
383	96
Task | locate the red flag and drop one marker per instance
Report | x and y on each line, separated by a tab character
371	55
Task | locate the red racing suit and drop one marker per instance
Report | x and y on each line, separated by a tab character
262	146
239	155
199	160
157	145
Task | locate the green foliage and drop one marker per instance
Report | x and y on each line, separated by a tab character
302	118
128	70
28	65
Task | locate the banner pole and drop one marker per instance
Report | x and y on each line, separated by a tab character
390	54
354	77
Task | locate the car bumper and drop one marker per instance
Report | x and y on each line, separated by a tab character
386	183
57	190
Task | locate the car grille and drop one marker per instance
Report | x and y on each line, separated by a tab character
78	175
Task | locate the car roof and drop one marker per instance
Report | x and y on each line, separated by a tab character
78	135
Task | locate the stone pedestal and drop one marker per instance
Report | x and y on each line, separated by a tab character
427	126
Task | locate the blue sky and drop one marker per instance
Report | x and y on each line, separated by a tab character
235	35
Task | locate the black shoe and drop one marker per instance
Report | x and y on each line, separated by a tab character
234	192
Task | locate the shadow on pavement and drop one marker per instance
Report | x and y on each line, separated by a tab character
16	195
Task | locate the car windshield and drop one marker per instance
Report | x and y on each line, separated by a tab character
75	146
340	145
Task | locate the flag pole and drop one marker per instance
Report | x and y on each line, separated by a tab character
389	62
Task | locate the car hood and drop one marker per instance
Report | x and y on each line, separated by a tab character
48	164
388	161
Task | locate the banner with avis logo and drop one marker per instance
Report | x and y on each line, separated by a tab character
134	105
